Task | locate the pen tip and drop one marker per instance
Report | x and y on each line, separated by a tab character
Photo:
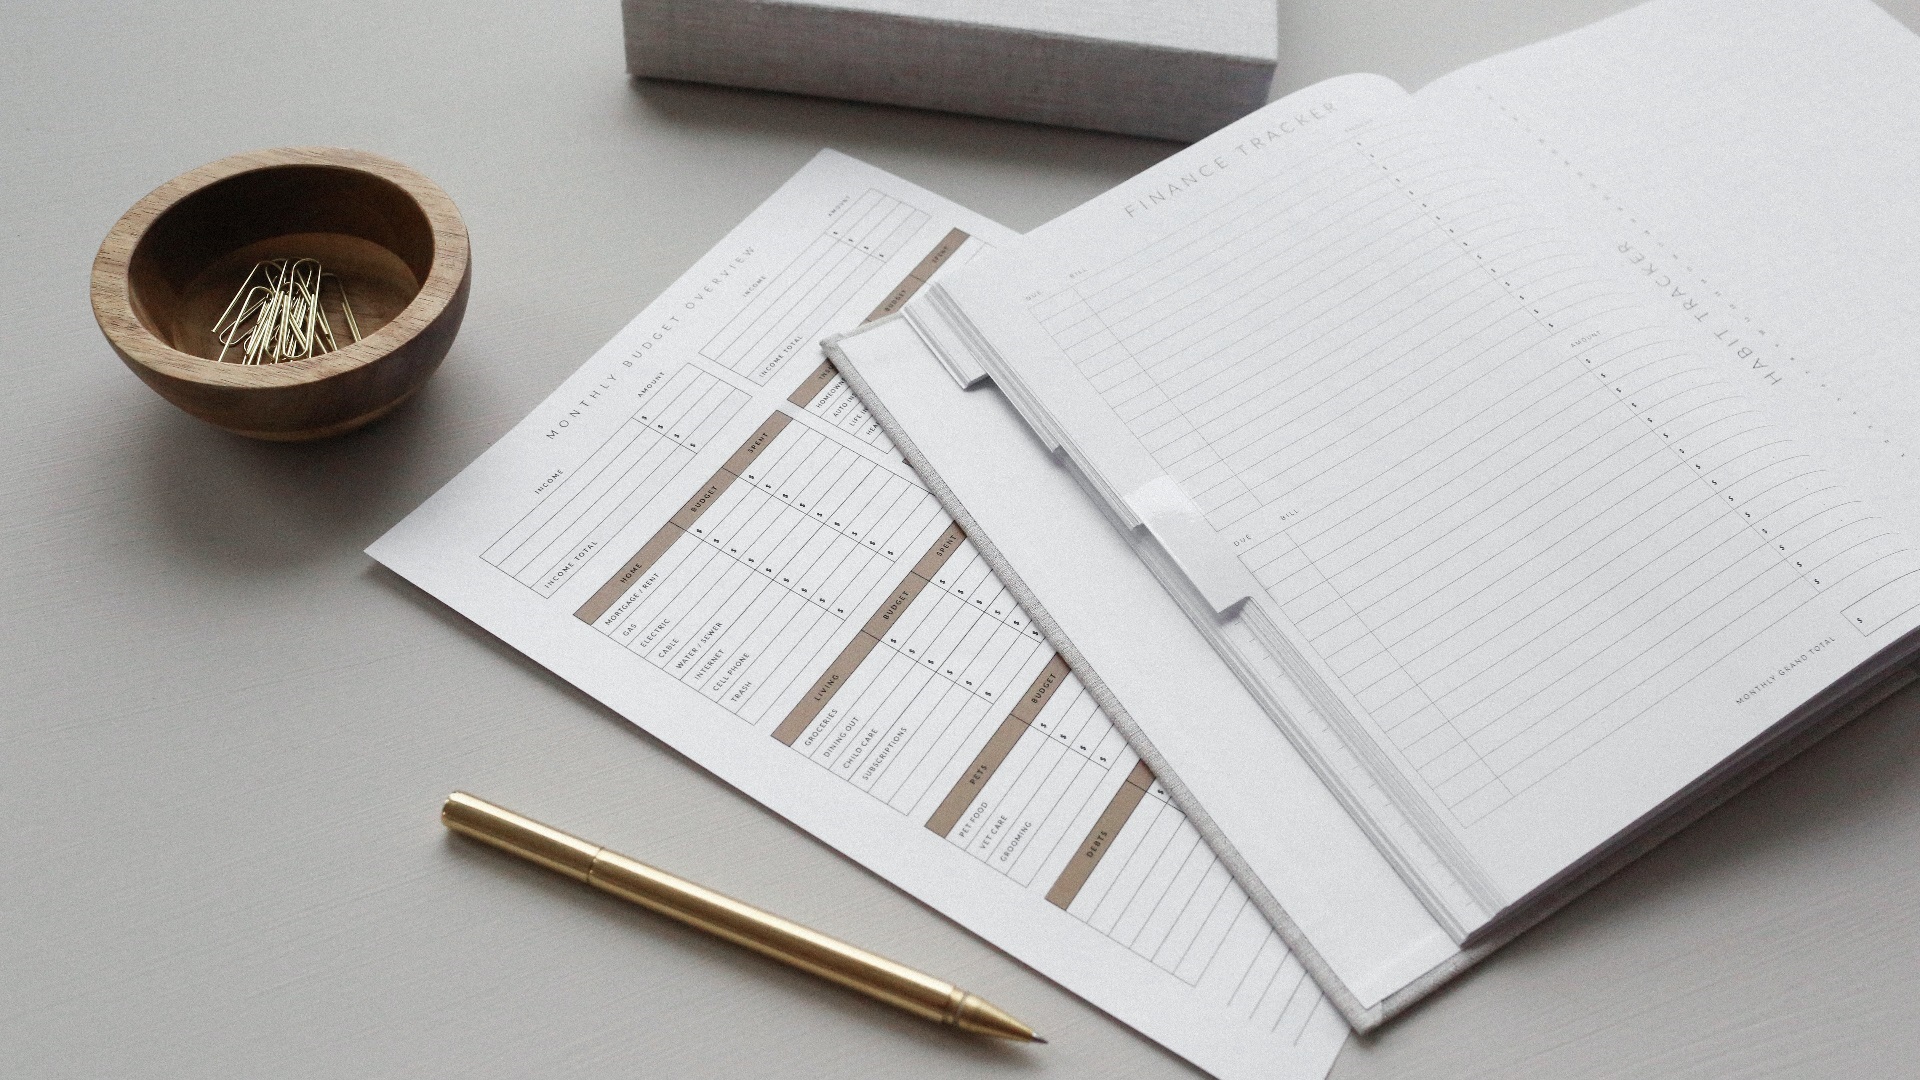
1037	1039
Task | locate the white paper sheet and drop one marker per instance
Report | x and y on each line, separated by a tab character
1213	347
1523	540
703	529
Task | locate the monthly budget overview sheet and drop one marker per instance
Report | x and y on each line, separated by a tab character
704	529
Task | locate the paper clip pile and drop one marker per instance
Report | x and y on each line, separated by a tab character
277	314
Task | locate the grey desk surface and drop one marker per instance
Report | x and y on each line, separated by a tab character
224	733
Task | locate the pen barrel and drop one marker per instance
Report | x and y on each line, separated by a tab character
502	828
783	940
723	916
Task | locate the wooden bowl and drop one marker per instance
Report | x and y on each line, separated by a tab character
170	265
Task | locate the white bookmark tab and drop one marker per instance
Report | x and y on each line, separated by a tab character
1166	511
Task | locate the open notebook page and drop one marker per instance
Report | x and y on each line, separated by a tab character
1525	550
703	529
1759	188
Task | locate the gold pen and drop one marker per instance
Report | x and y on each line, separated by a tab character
722	916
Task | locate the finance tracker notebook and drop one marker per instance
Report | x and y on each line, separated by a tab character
1464	490
703	528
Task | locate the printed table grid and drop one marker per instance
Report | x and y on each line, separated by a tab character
1428	422
827	396
791	311
744	593
677	414
909	713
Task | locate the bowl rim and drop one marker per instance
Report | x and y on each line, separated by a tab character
113	302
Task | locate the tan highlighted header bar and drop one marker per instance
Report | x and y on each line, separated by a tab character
994	753
920	275
811	386
1100	838
636	568
1041	691
984	765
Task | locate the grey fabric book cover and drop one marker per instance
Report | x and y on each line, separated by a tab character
1157	68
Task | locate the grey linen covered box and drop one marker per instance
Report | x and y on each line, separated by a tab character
1172	69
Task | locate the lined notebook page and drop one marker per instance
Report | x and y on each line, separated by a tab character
1803	270
1519	530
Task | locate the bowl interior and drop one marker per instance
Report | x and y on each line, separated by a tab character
198	253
